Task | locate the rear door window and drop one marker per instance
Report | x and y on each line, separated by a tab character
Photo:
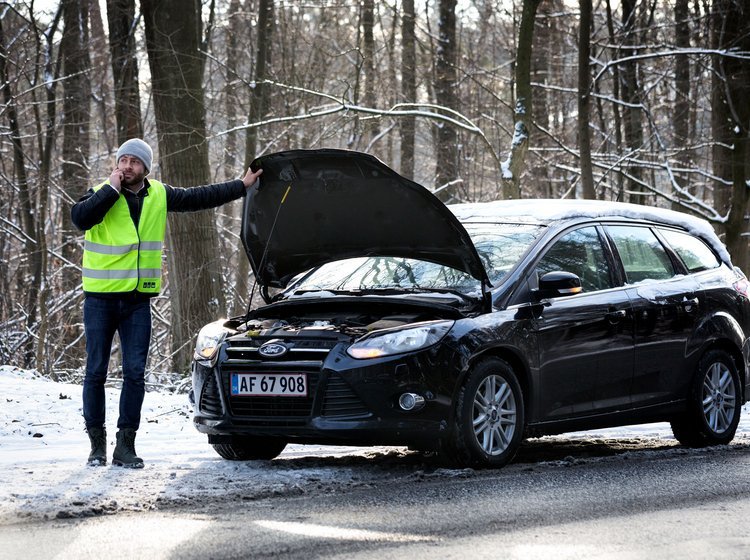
692	251
642	254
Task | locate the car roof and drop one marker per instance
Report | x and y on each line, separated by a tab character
552	211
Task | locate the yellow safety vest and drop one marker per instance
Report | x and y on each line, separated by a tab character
119	258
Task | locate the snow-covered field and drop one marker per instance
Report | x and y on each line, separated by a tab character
43	449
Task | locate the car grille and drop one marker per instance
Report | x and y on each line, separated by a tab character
210	401
340	400
300	349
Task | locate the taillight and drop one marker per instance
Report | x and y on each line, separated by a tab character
742	287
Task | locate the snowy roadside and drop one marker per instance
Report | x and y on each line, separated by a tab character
43	448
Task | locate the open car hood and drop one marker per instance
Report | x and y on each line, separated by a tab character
311	207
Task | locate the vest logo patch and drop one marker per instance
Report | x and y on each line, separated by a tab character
149	285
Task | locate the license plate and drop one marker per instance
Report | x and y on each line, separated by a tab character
269	384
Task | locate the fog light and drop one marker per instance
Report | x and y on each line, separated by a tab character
410	401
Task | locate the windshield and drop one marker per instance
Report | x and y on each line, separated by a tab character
500	246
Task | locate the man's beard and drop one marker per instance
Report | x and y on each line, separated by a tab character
134	181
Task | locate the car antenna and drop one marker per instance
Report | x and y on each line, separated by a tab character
264	293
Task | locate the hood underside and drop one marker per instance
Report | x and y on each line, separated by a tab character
311	207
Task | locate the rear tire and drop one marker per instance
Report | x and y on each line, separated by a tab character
713	405
250	448
489	417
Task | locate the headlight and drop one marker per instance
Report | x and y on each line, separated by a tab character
385	343
209	339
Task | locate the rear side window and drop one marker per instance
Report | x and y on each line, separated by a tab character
694	253
643	256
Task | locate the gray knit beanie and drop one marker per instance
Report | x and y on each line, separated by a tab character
137	148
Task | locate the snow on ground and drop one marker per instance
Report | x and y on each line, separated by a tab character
43	450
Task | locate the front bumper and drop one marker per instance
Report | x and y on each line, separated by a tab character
349	402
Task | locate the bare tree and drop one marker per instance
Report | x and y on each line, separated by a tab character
446	52
616	109
631	96
48	313
173	41
101	79
259	93
731	122
666	121
75	142
122	26
232	156
408	86
231	90
584	99
522	116
29	223
368	60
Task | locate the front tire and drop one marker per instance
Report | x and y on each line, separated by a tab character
713	405
489	417
250	448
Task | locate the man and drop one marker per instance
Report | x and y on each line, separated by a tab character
125	219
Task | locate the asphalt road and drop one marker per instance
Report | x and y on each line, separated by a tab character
672	503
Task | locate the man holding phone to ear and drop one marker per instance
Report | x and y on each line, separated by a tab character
124	219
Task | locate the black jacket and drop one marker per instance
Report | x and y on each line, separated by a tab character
94	205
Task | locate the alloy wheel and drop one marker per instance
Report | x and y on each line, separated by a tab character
719	395
494	415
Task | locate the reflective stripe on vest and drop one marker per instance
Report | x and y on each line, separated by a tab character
119	258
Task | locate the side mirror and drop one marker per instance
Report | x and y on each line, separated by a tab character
558	284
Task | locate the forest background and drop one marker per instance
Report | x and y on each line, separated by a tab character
644	101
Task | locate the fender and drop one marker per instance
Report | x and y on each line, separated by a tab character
721	326
503	335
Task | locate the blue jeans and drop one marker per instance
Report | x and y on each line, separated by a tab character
101	319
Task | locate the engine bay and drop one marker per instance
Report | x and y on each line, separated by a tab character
352	324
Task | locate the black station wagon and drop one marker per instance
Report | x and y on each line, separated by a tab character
392	319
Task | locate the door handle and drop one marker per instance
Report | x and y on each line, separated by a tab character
689	304
616	315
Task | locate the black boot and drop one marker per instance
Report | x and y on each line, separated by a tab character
98	455
124	455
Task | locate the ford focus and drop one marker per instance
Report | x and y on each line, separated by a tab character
392	319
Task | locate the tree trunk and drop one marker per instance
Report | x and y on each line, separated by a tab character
371	129
545	70
75	149
233	159
620	186
682	79
584	99
173	38
258	107
681	115
445	95
122	24
407	125
47	145
26	197
522	116
259	94
237	26
731	123
100	78
630	94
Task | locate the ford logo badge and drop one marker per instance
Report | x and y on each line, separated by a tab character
272	349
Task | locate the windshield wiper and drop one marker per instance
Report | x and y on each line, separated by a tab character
391	290
463	296
397	290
